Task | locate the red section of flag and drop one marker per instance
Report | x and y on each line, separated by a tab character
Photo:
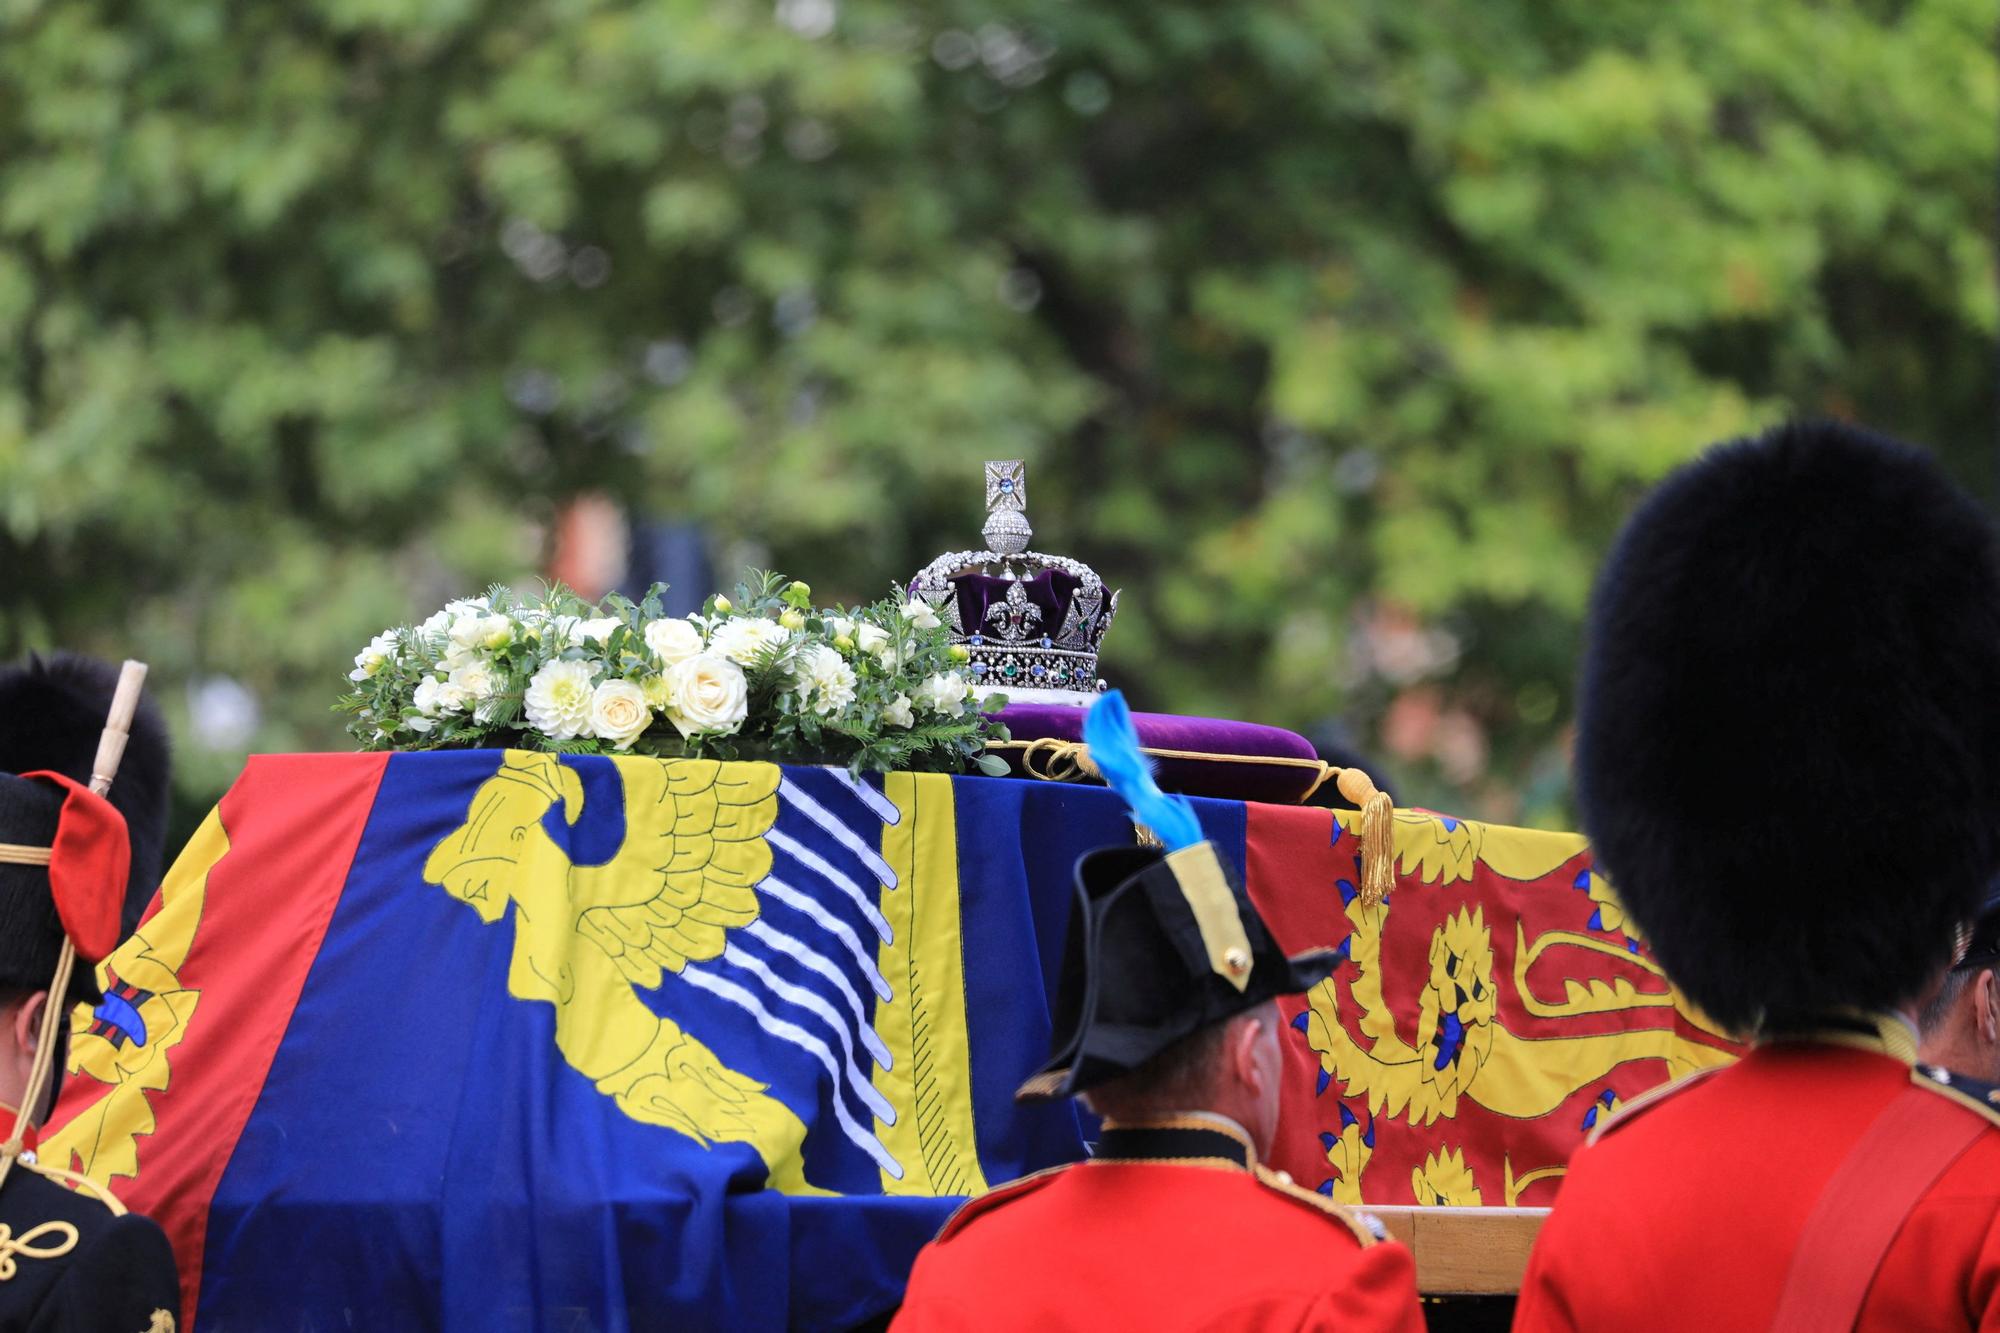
1492	1092
267	906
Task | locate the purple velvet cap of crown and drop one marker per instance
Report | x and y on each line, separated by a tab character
1275	783
1049	592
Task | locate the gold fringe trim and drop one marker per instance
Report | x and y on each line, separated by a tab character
1054	760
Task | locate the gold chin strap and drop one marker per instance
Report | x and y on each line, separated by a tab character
24	854
54	1011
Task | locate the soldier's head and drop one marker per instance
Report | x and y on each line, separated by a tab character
1960	1021
67	868
1788	739
64	858
1230	1068
1164	1002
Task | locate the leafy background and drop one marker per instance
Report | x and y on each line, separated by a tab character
1340	333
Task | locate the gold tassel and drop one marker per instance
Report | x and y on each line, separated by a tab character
1378	834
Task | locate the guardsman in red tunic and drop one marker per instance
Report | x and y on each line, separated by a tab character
1165	1022
1788	761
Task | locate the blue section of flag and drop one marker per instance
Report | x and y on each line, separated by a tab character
1018	843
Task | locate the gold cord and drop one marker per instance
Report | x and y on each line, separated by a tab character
11	1245
24	854
1069	761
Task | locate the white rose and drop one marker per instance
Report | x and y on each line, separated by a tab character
839	627
470	633
474	676
468	606
425	698
452	698
709	694
920	613
872	639
438	623
618	712
598	629
746	639
381	651
558	700
898	713
672	640
944	694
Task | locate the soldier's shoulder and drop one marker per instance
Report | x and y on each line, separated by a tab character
1364	1228
29	1197
1982	1099
1651	1099
95	1266
997	1198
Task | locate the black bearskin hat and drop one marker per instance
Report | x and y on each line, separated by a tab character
52	713
1788	744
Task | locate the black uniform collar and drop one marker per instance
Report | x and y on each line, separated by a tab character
1197	1138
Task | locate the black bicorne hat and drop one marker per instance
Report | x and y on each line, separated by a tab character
1788	732
1160	945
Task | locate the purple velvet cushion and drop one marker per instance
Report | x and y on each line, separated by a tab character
1282	783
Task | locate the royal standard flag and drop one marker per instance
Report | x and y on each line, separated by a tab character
501	1040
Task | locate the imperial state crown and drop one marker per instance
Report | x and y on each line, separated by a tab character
1031	622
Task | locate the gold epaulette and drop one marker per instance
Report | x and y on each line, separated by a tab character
998	1195
1971	1101
1281	1182
1648	1099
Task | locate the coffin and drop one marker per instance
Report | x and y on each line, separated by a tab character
487	1040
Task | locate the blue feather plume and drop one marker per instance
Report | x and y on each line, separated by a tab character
1114	749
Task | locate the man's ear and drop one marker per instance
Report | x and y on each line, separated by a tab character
26	1022
1986	1005
1245	1032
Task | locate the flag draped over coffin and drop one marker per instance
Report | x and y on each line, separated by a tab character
500	1040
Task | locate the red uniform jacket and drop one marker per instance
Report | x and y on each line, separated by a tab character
1684	1211
1171	1226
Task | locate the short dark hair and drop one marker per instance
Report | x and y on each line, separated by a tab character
1955	984
1177	1078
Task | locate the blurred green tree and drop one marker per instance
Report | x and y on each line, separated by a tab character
1339	332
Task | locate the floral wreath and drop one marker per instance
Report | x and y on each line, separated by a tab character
762	675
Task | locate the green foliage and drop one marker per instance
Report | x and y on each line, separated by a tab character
1339	334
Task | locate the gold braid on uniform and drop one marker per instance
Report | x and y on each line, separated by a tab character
11	1245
